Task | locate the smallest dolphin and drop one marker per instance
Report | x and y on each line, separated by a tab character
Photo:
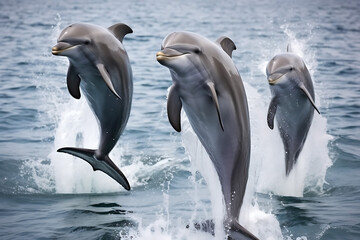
293	102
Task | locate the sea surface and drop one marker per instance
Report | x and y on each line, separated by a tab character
50	195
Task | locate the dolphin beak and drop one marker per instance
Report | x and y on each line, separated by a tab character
61	47
167	53
273	78
160	56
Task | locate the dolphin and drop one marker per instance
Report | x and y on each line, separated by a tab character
292	102
100	67
208	86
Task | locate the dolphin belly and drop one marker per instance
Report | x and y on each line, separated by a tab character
229	151
111	112
224	147
294	116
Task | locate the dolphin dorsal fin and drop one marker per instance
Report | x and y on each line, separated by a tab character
73	82
120	30
174	106
227	45
216	102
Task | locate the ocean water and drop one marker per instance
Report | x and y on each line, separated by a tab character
49	195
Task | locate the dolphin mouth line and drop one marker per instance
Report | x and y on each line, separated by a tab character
161	55
274	78
56	51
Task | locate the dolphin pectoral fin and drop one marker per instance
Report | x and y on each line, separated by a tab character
105	165
73	82
120	30
271	113
106	76
306	92
174	106
237	231
215	99
227	45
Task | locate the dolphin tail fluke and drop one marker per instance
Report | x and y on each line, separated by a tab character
105	164
238	232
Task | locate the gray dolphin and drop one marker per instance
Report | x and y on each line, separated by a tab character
293	102
208	86
100	66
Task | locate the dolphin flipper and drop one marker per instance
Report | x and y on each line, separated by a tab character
73	82
227	45
271	113
105	165
215	99
106	76
174	108
120	30
306	92
238	232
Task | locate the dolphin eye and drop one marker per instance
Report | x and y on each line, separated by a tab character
87	42
197	50
291	68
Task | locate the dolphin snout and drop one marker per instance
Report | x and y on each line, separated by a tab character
60	47
168	53
272	78
160	54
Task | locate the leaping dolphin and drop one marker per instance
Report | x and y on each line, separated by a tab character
208	86
293	102
100	66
